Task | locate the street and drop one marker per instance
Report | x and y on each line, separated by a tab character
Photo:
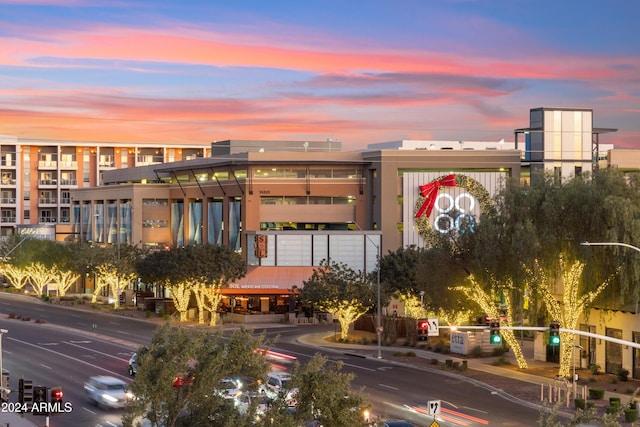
68	349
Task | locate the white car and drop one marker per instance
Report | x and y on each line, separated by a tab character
107	392
278	385
229	388
243	402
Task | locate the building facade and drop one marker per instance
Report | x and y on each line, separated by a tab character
37	176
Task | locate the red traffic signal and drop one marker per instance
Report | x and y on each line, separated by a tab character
56	394
423	324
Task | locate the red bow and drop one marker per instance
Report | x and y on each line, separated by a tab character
430	192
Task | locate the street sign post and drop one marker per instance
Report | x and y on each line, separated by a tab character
433	328
434	407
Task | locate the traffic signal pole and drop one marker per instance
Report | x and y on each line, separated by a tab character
546	328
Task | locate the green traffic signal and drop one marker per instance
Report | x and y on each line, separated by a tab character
495	337
554	334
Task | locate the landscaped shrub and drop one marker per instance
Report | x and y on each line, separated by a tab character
614	401
579	403
596	393
435	361
623	374
476	351
630	415
594	368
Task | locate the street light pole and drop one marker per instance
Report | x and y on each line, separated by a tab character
610	244
379	316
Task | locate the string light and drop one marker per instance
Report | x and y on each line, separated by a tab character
486	301
572	306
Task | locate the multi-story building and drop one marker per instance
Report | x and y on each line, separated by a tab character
37	176
562	141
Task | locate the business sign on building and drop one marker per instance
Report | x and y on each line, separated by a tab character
445	202
39	231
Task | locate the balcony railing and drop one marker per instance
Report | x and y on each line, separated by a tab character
8	200
47	164
8	219
69	164
48	219
8	181
48	200
68	182
48	182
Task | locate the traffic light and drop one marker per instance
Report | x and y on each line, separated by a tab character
40	400
55	394
423	328
25	391
554	334
495	337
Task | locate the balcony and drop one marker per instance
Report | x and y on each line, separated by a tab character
47	164
8	181
48	201
69	182
149	160
6	219
48	182
69	164
8	200
47	220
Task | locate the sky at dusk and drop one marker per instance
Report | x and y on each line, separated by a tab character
360	72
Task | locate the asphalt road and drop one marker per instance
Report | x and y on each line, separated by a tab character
74	345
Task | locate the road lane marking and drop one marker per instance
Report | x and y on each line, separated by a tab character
88	410
389	386
125	377
45	366
71	343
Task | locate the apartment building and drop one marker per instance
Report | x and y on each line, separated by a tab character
37	176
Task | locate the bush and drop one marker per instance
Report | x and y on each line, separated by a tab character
579	403
12	315
630	415
476	351
614	401
623	374
435	361
594	368
501	361
499	351
596	393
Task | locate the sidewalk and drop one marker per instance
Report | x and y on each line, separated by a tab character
485	364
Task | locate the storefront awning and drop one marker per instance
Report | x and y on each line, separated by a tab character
269	281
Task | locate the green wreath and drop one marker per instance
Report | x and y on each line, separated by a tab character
428	234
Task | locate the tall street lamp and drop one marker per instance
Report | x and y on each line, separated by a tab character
610	244
379	316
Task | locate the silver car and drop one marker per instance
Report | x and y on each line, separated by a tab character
107	392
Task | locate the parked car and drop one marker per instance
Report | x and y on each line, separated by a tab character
261	402
229	388
278	385
107	392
